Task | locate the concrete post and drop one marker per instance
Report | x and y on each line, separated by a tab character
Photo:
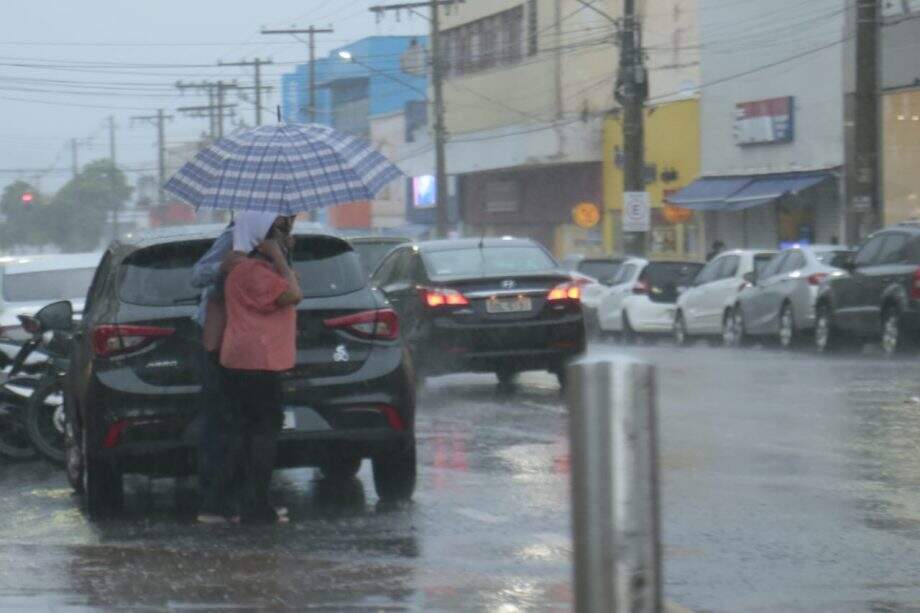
615	512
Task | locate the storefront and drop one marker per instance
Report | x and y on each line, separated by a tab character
672	158
901	155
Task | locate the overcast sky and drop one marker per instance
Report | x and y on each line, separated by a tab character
82	46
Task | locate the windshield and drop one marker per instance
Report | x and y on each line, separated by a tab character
488	261
47	285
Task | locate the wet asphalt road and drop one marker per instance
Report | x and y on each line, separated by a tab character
790	483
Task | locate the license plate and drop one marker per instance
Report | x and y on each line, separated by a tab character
508	305
290	420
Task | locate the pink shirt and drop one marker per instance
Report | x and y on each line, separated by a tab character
259	335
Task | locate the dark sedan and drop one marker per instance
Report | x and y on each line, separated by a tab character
132	393
489	305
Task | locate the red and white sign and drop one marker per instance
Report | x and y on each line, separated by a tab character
764	121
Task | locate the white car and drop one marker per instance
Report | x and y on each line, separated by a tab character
705	308
643	299
29	283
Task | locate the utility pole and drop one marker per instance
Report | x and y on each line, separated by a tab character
75	166
215	110
437	84
631	92
865	206
115	203
257	64
311	32
159	120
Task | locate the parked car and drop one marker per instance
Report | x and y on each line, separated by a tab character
705	308
780	300
497	305
594	275
29	283
642	301
877	295
131	392
372	249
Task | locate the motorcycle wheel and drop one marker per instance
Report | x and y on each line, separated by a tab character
45	420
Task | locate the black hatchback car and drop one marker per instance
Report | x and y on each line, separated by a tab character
132	390
876	297
483	305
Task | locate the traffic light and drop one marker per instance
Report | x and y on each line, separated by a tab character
27	198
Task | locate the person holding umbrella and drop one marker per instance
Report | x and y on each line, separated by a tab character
277	171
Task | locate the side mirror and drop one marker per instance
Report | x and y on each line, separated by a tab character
56	316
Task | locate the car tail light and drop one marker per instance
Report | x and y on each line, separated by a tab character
393	417
380	324
641	287
817	278
435	297
109	340
915	286
564	291
114	434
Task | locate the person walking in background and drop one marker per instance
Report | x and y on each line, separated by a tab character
261	293
216	416
717	247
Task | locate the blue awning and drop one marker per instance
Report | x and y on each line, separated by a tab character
736	193
708	193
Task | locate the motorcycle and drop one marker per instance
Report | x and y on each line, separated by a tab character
32	415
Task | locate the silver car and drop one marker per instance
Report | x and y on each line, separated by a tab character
780	300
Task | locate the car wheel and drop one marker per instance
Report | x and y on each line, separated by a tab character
788	336
394	475
341	469
14	438
893	337
103	485
730	328
827	337
506	376
680	330
629	335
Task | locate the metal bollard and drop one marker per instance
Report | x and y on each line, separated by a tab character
615	512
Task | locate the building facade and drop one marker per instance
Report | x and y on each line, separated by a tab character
772	138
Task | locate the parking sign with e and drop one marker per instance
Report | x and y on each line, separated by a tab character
637	214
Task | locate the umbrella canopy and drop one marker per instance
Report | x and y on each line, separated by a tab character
285	169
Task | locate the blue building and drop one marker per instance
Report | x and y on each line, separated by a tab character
384	73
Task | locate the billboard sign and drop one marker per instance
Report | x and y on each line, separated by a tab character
765	121
424	192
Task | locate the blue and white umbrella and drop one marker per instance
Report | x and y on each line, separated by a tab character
285	169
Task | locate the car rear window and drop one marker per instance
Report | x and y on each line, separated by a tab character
831	258
47	284
760	262
488	261
371	254
599	269
665	278
162	275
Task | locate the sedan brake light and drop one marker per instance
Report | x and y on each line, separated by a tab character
382	324
435	297
564	291
110	339
816	278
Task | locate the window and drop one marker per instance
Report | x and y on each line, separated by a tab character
532	34
327	267
794	261
833	258
665	278
384	273
490	260
485	43
709	272
893	250
503	196
770	267
868	252
47	284
624	275
762	259
602	270
729	267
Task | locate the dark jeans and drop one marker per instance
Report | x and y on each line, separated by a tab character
244	485
218	429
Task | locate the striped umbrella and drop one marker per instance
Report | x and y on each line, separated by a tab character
285	169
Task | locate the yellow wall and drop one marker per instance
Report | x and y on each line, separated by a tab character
672	140
901	156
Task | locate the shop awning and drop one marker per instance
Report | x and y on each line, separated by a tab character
736	193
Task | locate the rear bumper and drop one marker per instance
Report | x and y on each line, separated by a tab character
524	345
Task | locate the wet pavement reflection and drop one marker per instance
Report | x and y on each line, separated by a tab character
790	483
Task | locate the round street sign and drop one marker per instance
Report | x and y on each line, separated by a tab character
586	215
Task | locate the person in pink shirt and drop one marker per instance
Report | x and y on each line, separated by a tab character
261	293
